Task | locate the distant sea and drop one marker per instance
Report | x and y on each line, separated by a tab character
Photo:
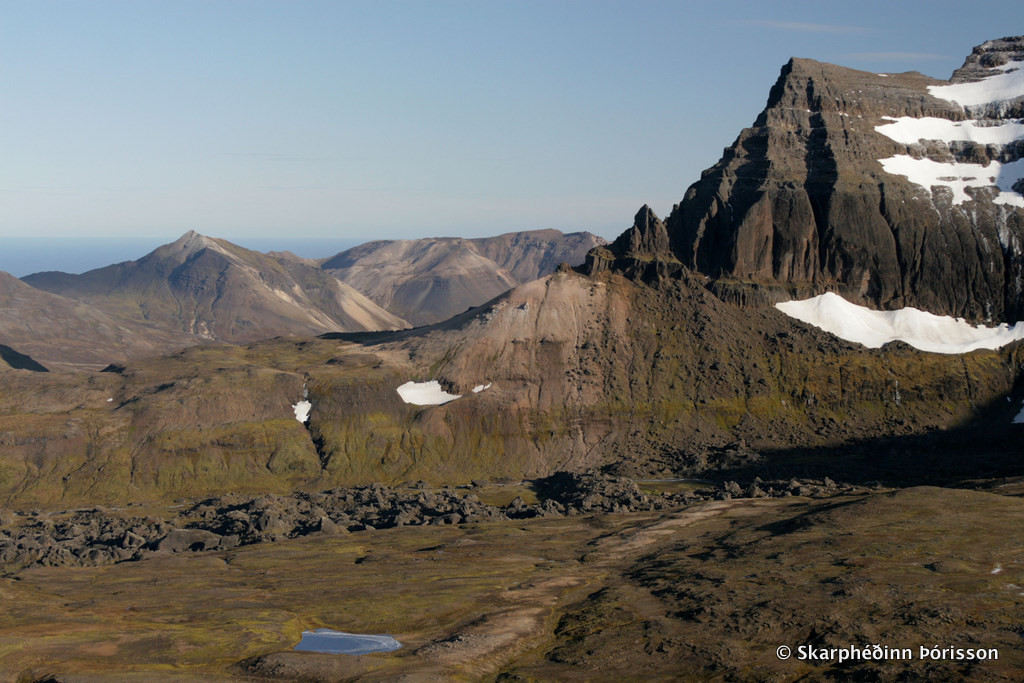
21	256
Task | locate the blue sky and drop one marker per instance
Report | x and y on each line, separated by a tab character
257	120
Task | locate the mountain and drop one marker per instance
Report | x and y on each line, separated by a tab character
214	290
892	189
533	254
58	332
639	363
573	412
564	373
428	280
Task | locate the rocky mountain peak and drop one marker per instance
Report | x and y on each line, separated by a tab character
989	57
644	252
891	189
647	236
990	84
192	242
190	246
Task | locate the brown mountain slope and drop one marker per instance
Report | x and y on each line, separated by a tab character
19	361
583	372
536	253
429	280
217	291
804	200
59	332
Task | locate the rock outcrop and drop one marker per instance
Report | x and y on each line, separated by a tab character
19	361
892	189
97	536
643	252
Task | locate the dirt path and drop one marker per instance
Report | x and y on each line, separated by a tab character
613	548
518	622
479	647
522	621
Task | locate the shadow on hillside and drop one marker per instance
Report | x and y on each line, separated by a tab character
988	447
392	336
19	361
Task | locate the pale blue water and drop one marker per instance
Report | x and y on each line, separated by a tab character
339	643
21	256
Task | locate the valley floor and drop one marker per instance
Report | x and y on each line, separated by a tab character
707	590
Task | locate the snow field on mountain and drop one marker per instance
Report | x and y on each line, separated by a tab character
909	130
1008	84
425	393
920	329
959	177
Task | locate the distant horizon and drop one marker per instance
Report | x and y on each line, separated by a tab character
407	119
21	256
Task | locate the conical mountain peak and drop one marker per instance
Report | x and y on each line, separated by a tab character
193	241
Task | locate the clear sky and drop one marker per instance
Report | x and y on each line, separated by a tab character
250	120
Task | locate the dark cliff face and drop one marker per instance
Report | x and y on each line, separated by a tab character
802	202
644	252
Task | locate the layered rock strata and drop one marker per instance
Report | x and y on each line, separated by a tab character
892	189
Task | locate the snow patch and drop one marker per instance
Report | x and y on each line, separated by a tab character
302	409
1004	83
920	329
909	130
481	387
1007	84
425	393
1019	420
959	177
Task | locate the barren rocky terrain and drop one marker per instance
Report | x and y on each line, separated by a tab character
709	589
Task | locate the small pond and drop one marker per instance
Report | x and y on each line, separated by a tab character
338	643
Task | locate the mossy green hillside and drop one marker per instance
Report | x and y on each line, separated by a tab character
584	372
